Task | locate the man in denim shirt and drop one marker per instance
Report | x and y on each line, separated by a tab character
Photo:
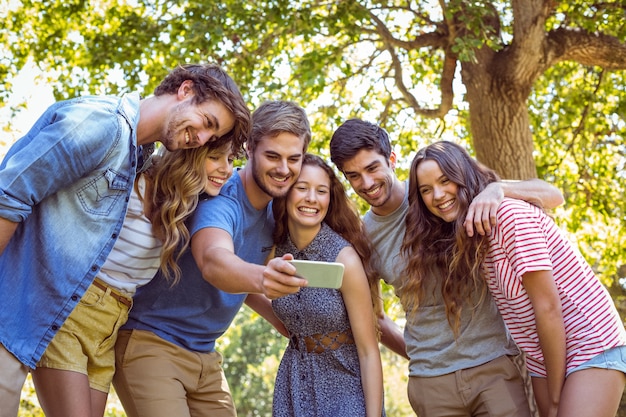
64	190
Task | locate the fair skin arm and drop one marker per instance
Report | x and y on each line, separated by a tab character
263	305
391	336
214	253
355	291
544	296
481	215
7	228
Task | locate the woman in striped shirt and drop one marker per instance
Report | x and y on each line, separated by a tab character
557	311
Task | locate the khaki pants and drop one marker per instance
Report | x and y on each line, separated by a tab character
12	377
156	378
494	389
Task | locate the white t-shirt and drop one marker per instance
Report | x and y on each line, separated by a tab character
134	259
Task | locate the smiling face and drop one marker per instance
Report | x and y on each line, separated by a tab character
219	167
308	200
192	125
371	176
437	191
276	162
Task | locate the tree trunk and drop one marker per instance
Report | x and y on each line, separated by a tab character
499	123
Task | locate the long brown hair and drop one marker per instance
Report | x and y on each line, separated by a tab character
343	218
435	248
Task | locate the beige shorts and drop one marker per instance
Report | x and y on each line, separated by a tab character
157	378
85	343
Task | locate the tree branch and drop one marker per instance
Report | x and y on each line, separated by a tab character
523	60
447	76
586	48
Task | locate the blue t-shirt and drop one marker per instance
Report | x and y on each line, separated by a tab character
194	313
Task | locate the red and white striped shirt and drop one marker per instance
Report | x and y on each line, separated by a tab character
525	240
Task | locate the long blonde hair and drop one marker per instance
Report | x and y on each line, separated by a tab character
174	185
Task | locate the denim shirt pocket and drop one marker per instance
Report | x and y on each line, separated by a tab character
102	192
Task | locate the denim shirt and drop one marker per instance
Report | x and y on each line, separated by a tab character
67	183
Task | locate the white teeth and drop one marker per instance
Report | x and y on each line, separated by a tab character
446	204
307	209
279	179
217	180
187	137
374	191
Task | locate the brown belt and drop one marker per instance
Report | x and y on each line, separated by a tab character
321	342
119	297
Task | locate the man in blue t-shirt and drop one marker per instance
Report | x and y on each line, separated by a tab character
166	363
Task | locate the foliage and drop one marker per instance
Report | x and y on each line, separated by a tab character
252	350
584	155
513	80
29	405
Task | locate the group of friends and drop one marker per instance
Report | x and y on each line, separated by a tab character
121	265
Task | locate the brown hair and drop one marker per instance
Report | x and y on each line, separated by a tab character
274	117
343	218
211	82
435	248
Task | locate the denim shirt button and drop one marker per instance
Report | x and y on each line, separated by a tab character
94	268
114	235
74	297
54	327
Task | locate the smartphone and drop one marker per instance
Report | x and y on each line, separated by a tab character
320	274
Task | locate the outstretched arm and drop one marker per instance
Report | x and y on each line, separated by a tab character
214	252
481	215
